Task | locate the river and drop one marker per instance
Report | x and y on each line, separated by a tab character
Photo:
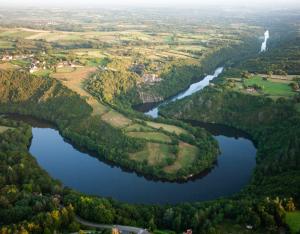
195	87
85	173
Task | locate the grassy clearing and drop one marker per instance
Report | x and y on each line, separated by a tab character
151	136
153	153
186	157
270	87
74	81
116	119
293	221
4	128
167	127
137	128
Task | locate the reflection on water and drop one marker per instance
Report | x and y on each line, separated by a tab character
89	175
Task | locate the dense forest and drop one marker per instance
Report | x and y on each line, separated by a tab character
273	125
29	198
257	205
30	201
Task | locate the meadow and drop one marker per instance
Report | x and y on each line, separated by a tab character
272	87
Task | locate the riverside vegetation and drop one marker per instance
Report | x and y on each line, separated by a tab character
98	117
269	112
31	201
127	145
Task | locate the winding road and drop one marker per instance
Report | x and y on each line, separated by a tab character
123	229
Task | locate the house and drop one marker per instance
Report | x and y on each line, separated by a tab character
7	58
33	68
150	78
251	90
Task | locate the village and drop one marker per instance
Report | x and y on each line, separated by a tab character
33	64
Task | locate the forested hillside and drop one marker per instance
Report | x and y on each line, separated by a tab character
29	198
273	125
127	144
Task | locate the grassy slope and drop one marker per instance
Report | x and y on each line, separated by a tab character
75	79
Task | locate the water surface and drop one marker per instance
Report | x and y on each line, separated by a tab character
193	88
87	174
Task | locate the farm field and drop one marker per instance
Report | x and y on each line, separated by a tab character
151	136
186	157
154	153
167	127
271	87
274	87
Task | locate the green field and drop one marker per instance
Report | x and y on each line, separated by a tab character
293	221
270	87
137	128
167	127
151	136
186	157
153	153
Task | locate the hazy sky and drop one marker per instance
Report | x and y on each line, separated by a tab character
188	3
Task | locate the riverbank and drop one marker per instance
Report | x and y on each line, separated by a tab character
81	171
255	115
157	149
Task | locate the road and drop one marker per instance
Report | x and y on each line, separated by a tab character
123	229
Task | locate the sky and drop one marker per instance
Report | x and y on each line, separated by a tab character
141	3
